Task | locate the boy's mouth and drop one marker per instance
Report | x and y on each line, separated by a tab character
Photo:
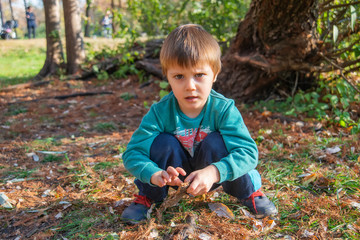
191	97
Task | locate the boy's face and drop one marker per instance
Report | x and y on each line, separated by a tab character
191	86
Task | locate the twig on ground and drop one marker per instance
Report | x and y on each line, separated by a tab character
172	200
62	97
24	85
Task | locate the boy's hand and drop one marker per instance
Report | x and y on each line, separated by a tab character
160	178
174	175
168	177
202	180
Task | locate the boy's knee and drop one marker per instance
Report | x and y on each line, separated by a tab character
211	149
165	139
164	143
213	141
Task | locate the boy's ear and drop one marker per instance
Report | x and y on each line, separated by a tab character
215	77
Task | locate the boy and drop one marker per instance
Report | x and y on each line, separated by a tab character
193	134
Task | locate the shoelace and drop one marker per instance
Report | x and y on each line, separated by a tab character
142	200
258	193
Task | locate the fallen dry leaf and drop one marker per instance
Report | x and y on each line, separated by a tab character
221	210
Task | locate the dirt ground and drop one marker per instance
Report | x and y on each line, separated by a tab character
60	166
89	129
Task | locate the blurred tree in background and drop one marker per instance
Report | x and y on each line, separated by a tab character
290	56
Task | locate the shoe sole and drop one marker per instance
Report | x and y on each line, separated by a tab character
271	214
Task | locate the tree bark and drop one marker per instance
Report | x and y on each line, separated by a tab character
11	10
87	14
25	7
12	16
275	45
54	51
112	13
1	16
75	53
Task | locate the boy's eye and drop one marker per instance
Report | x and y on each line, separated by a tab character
179	76
199	75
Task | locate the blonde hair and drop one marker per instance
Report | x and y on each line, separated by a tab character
189	45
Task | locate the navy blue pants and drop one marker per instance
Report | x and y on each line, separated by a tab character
167	151
31	30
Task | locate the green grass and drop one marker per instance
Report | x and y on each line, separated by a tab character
78	223
17	173
22	59
18	65
105	165
43	144
105	127
52	158
15	110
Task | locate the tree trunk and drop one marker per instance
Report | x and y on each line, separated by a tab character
87	14
12	16
11	10
54	51
273	51
75	53
1	16
113	14
25	7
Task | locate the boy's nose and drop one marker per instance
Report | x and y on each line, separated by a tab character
190	85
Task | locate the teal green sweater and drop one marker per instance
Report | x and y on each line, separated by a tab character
219	114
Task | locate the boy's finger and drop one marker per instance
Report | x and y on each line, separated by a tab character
165	176
192	188
160	182
193	183
172	171
189	178
177	182
181	171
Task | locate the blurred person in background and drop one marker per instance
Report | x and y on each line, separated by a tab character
106	23
31	23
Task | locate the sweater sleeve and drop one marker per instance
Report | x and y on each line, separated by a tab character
137	155
243	152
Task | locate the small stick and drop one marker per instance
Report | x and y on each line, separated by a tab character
172	200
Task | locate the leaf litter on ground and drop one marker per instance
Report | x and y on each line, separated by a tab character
316	191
